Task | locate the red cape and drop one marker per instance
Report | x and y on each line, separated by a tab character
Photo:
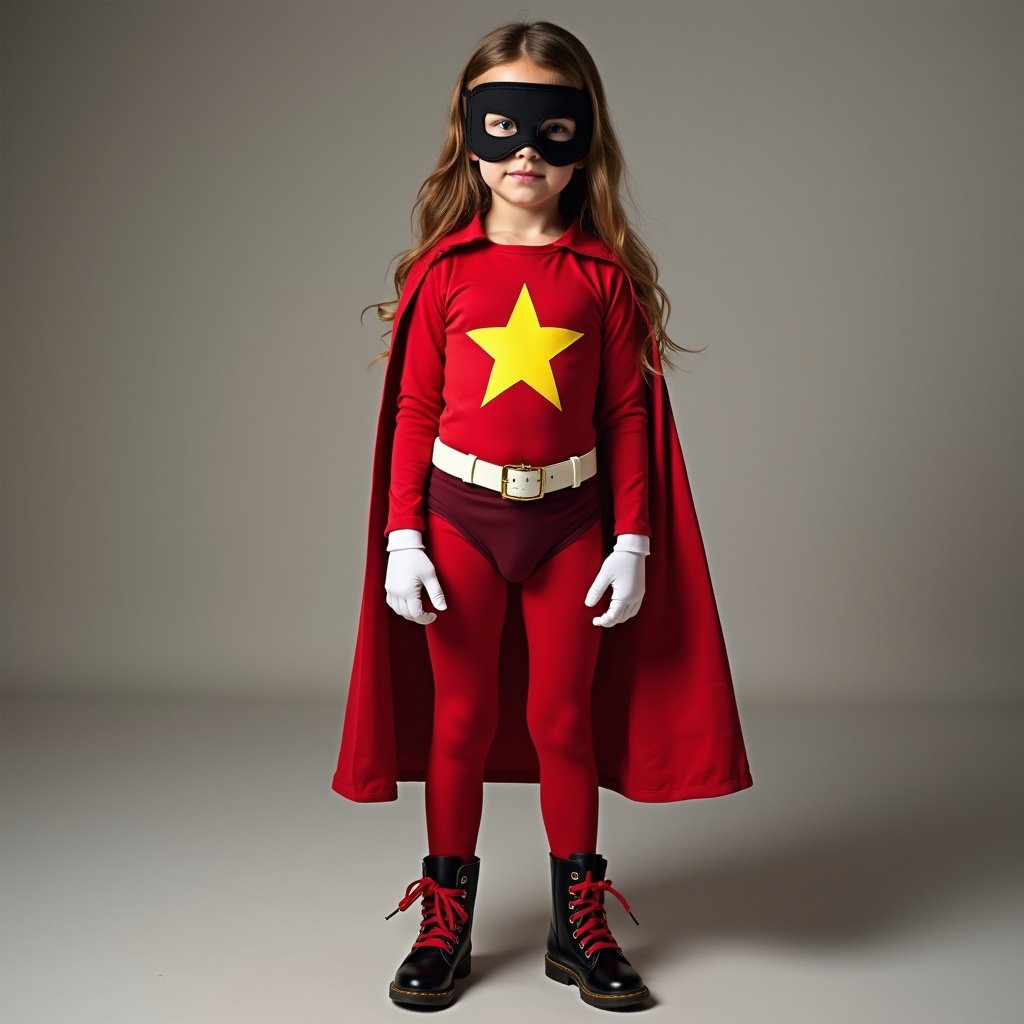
665	720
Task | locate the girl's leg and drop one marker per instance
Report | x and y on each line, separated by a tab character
563	648
463	642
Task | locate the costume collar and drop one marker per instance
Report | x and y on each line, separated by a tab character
576	237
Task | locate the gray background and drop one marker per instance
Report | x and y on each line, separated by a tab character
198	199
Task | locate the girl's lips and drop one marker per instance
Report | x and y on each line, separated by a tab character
524	176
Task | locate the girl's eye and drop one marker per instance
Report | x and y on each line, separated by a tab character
561	130
498	125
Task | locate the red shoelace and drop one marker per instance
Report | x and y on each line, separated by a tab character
440	908
595	932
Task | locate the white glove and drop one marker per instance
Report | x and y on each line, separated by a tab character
624	570
408	569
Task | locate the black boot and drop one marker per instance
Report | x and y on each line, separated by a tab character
581	949
441	952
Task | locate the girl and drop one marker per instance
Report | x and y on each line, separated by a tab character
527	461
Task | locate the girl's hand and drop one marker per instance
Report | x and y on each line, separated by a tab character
624	570
408	570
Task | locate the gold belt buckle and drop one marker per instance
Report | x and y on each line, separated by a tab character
520	497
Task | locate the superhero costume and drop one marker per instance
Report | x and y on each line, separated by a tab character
665	723
521	354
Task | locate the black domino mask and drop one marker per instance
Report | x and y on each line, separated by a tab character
528	105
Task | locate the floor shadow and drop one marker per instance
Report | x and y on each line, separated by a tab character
867	871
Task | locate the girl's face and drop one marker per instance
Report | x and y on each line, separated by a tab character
541	182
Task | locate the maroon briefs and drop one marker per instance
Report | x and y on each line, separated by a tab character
514	536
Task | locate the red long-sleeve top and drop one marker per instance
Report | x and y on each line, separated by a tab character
523	353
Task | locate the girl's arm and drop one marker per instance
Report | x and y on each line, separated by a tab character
621	416
419	409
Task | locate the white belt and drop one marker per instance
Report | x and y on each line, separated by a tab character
519	481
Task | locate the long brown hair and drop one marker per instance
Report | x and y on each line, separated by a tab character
455	192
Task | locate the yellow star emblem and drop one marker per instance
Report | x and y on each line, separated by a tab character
522	350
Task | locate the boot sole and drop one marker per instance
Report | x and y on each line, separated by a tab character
420	997
605	1001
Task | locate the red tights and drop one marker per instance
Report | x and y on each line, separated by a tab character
463	642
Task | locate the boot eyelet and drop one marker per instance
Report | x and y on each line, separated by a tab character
465	893
574	874
574	933
581	946
588	954
464	879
